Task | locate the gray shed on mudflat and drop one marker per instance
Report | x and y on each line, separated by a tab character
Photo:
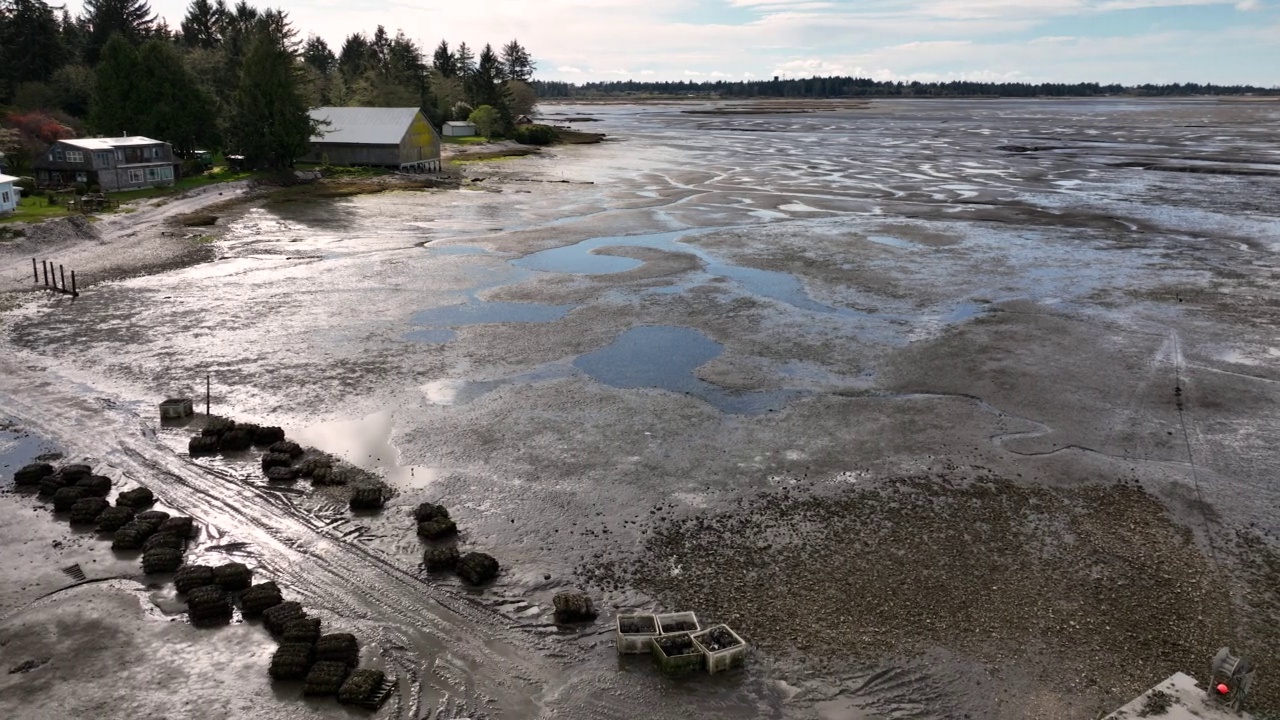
400	138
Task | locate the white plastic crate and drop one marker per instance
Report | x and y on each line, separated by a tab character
666	620
724	658
175	408
676	665
635	643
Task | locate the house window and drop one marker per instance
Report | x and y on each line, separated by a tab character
57	154
166	173
75	156
135	177
120	155
6	198
103	158
82	177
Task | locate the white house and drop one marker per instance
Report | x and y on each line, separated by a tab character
459	129
8	193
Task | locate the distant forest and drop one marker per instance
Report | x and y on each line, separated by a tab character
840	87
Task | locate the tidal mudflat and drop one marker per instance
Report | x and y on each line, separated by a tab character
811	375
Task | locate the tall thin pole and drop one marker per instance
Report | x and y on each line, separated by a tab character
74	292
35	273
44	265
64	278
207	385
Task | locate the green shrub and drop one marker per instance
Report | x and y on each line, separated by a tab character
535	135
80	188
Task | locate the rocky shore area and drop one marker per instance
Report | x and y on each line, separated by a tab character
1094	589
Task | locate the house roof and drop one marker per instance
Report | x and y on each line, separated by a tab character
363	125
7	178
111	143
460	123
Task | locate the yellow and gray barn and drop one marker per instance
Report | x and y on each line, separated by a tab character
400	138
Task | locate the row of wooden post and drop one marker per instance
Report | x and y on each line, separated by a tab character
51	277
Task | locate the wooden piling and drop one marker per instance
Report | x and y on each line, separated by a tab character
207	386
45	266
64	278
74	292
34	273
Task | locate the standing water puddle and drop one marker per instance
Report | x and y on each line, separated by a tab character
582	259
660	357
439	322
666	357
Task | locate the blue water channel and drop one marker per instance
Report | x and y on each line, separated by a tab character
661	357
438	323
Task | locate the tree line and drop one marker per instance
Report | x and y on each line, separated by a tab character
838	87
236	77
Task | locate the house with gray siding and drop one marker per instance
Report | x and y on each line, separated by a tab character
400	138
123	163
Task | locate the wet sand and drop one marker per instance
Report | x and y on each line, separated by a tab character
826	305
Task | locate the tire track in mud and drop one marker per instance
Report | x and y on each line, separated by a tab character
437	641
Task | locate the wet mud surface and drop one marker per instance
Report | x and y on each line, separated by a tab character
729	340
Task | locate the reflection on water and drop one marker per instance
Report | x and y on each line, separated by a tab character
666	357
584	258
366	443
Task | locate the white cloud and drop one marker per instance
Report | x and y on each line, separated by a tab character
890	39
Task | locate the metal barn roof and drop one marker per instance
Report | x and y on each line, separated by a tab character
8	178
363	125
460	123
111	143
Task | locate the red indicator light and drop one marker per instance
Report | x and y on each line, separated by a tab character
1223	689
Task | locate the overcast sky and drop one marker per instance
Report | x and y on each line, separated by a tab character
1128	41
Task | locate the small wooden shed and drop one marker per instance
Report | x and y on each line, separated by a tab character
459	128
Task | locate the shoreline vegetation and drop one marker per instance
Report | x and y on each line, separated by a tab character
334	182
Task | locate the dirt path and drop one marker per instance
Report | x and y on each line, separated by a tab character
449	649
127	242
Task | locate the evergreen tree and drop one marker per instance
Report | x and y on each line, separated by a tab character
131	19
31	47
115	109
464	61
381	47
316	53
485	83
178	111
356	57
269	123
281	30
443	62
200	26
517	61
488	86
73	32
